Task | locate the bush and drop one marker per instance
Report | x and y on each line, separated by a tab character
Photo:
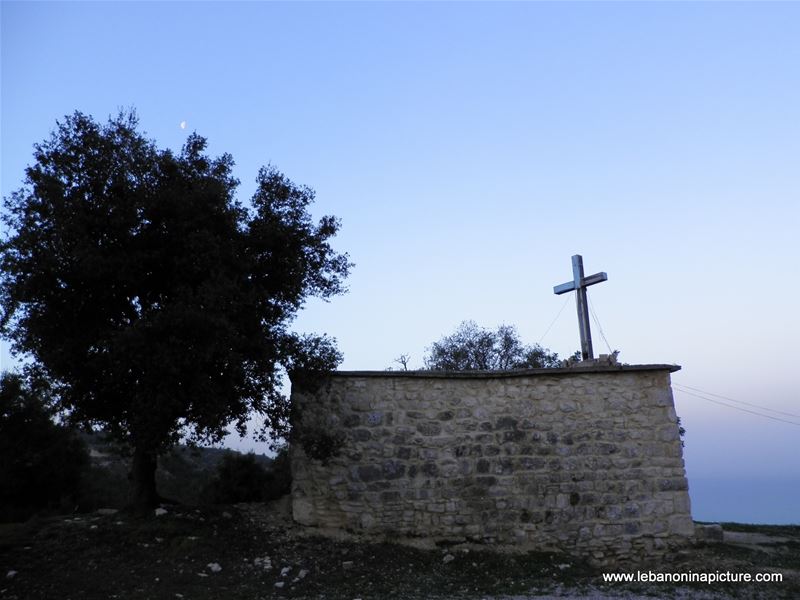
241	478
279	477
472	348
41	462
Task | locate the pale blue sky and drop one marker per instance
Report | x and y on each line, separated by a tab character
470	149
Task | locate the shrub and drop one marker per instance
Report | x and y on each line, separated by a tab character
41	462
279	477
241	478
318	443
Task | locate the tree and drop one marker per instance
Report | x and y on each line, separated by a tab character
155	302
472	347
403	361
41	463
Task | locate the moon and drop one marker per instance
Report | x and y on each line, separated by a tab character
183	124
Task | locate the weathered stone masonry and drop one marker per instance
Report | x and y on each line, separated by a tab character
583	460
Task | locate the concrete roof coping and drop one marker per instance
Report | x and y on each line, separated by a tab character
559	371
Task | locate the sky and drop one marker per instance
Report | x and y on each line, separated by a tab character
470	149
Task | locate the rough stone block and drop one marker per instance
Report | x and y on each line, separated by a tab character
709	533
369	472
681	525
429	428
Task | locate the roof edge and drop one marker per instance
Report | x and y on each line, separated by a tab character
559	371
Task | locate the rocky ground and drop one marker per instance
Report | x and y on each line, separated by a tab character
255	552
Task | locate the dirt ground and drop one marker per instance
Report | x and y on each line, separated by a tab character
255	552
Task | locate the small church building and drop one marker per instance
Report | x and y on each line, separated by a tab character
585	460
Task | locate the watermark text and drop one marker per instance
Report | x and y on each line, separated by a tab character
692	577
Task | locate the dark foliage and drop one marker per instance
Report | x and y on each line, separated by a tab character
157	304
183	474
41	463
319	443
681	431
472	347
279	475
240	478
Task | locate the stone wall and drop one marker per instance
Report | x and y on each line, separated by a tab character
583	460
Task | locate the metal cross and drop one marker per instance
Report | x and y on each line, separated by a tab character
579	283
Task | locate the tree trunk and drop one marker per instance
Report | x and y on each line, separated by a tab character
143	481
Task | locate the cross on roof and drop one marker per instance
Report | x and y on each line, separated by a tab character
579	284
